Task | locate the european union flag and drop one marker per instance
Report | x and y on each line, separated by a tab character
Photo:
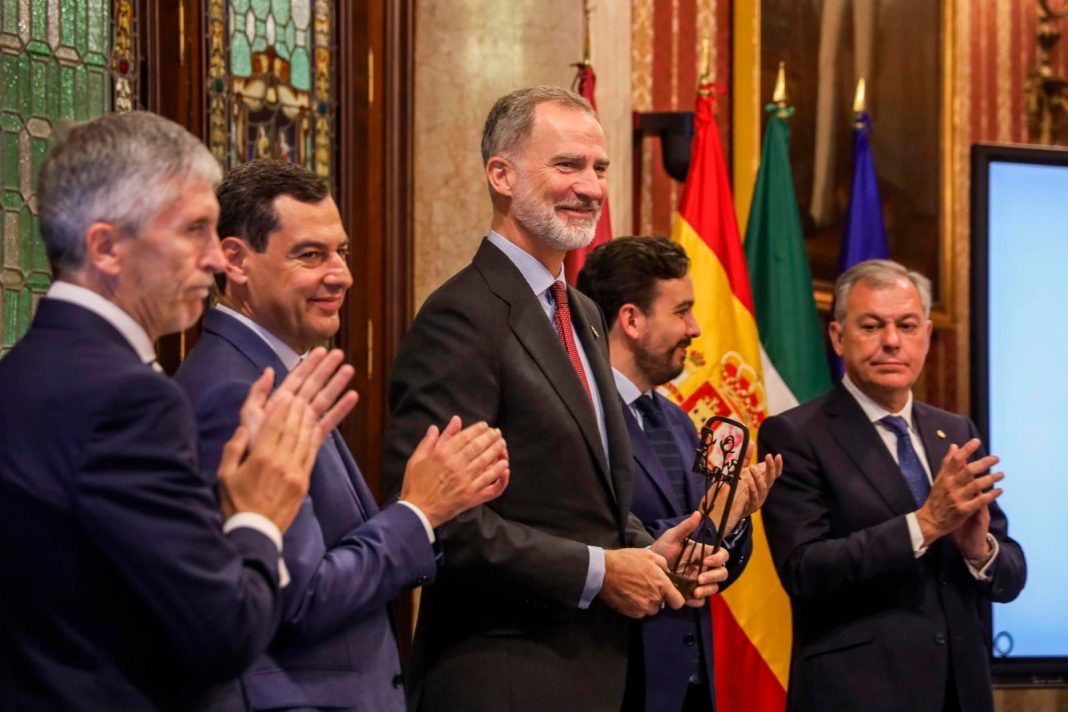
865	236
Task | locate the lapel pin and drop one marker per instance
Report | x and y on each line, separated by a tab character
941	434
594	330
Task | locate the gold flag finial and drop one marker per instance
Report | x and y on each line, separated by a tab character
705	75
858	98
587	53
779	95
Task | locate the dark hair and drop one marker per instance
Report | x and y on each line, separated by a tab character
627	270
246	197
246	200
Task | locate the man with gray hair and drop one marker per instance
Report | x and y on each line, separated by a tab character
884	526
530	608
124	588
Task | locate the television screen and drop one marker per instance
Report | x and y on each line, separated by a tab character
1019	297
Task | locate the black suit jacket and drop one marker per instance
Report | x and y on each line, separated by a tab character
120	590
501	628
875	628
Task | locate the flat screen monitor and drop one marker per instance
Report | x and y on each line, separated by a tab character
1019	356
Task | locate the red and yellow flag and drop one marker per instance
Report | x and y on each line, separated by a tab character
722	376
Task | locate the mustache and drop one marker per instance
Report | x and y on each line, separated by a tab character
585	204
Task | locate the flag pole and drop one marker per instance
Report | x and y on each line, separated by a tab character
778	97
859	99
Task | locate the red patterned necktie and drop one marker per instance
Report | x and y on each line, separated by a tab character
567	335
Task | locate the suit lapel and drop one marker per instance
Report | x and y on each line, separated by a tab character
648	461
528	322
857	437
935	447
259	352
246	341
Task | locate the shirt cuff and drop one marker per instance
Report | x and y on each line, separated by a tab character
594	577
422	518
981	573
915	534
269	529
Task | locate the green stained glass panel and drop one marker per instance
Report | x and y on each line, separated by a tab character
280	10
240	56
240	6
301	69
260	8
55	65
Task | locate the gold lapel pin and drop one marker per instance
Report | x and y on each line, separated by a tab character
594	330
941	434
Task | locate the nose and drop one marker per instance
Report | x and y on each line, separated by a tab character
891	338
212	259
591	184
337	272
693	329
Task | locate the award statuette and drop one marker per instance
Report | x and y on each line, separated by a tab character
722	445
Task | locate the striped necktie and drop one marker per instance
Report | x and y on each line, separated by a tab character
659	435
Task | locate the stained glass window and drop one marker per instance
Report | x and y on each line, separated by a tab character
59	60
269	88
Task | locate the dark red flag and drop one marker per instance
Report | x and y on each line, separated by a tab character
573	261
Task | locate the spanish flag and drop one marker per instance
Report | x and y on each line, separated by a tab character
722	376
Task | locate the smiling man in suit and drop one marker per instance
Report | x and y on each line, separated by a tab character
285	256
530	610
884	527
643	287
124	587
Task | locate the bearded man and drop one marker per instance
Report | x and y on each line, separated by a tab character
531	609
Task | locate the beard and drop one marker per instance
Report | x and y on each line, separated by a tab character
659	367
540	219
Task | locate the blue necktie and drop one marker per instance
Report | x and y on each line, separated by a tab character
908	460
659	436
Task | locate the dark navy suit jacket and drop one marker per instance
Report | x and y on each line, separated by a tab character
674	641
876	628
120	590
335	647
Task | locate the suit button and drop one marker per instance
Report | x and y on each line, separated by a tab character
689	640
940	638
398	680
943	583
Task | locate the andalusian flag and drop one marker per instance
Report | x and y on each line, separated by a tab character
751	620
793	355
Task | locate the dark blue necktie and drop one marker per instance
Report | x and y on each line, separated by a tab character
659	436
908	460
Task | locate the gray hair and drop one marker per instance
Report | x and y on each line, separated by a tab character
511	119
878	274
120	169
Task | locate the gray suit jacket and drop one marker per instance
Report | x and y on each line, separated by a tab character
875	628
501	628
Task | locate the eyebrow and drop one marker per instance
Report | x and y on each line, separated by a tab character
579	158
313	244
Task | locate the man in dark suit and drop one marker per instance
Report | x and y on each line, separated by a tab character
123	587
643	287
529	611
285	278
884	527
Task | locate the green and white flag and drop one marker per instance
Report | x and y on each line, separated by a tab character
793	355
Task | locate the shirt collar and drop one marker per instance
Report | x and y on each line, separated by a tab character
110	312
626	388
873	410
535	273
286	355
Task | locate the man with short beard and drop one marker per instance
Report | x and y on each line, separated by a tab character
643	287
530	608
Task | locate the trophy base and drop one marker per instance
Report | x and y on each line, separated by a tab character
685	585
